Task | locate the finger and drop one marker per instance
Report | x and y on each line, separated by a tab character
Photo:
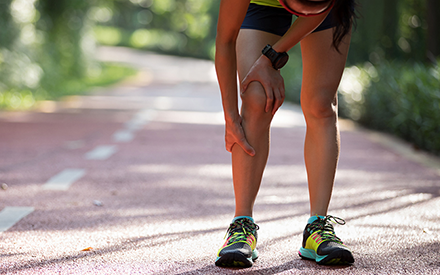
282	94
278	101
247	147
229	148
269	99
229	143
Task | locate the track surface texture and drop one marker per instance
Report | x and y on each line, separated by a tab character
145	185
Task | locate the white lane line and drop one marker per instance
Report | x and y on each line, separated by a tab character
139	120
123	136
11	215
64	179
101	152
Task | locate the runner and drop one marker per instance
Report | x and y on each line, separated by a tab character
252	39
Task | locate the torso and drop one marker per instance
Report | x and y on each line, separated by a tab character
270	3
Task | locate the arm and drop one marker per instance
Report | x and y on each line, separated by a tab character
262	70
302	27
231	16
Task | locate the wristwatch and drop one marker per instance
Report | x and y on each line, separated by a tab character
278	59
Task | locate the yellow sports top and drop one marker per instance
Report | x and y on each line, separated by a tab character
270	3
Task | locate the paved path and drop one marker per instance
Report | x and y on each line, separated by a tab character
134	179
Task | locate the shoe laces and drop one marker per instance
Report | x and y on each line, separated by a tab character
325	228
241	229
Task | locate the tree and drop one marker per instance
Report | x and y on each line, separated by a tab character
433	18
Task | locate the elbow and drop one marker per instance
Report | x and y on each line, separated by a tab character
224	48
226	38
225	42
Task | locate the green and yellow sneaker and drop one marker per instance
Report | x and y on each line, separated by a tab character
320	243
239	249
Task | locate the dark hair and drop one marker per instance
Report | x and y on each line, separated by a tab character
344	17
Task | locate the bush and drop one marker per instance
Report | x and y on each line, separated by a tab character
402	99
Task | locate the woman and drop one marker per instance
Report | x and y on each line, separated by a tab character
252	39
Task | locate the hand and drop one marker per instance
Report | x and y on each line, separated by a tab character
272	81
234	134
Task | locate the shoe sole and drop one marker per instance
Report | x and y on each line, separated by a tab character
236	259
339	257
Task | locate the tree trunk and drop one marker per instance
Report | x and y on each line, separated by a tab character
433	18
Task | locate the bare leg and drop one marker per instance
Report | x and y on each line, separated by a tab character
248	171
322	71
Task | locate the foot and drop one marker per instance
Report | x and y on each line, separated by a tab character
320	243
239	249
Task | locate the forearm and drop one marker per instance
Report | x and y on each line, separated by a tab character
231	15
226	68
302	27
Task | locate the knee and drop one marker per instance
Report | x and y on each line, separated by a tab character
253	107
254	100
319	107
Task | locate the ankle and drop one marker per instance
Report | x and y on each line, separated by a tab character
241	217
314	218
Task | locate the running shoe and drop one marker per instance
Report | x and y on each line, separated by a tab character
320	243
239	249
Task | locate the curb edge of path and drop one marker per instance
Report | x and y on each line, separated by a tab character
395	144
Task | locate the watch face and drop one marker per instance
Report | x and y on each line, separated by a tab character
281	61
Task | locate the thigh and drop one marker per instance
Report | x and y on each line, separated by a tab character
249	46
250	43
323	66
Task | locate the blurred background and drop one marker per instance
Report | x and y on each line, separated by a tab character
391	82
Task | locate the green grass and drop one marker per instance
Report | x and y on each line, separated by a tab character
103	75
109	73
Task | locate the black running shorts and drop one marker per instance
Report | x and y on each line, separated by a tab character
276	20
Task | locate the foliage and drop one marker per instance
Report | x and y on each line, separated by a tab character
46	51
403	99
389	30
182	27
